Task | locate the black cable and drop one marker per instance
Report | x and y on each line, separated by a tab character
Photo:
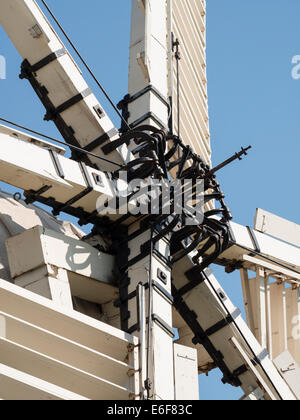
78	149
85	64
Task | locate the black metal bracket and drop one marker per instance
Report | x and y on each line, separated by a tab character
240	371
157	320
101	140
129	99
148	115
57	210
219	325
27	69
253	239
162	276
31	195
52	114
123	106
67	132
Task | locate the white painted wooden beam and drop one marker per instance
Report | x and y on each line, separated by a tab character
19	386
278	227
148	66
49	247
276	250
35	39
48	344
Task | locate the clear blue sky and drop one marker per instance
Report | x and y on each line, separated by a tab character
252	96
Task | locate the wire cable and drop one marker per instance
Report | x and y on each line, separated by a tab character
85	64
78	149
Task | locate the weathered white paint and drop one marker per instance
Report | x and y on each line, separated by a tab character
148	65
189	27
186	375
278	227
54	352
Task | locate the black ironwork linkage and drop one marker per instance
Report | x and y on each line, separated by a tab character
156	155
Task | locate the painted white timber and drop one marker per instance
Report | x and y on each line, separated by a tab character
148	60
142	338
62	77
49	247
186	373
278	251
289	370
278	310
247	299
211	305
72	325
246	358
32	139
16	217
58	373
278	227
273	269
30	167
261	298
59	268
148	66
61	349
189	26
65	348
19	386
186	335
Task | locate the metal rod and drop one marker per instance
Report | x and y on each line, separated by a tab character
228	161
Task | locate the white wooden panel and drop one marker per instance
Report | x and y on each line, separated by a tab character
273	248
63	350
18	386
283	229
261	309
277	318
205	362
293	322
289	370
189	26
249	300
186	373
69	324
49	247
30	167
58	373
